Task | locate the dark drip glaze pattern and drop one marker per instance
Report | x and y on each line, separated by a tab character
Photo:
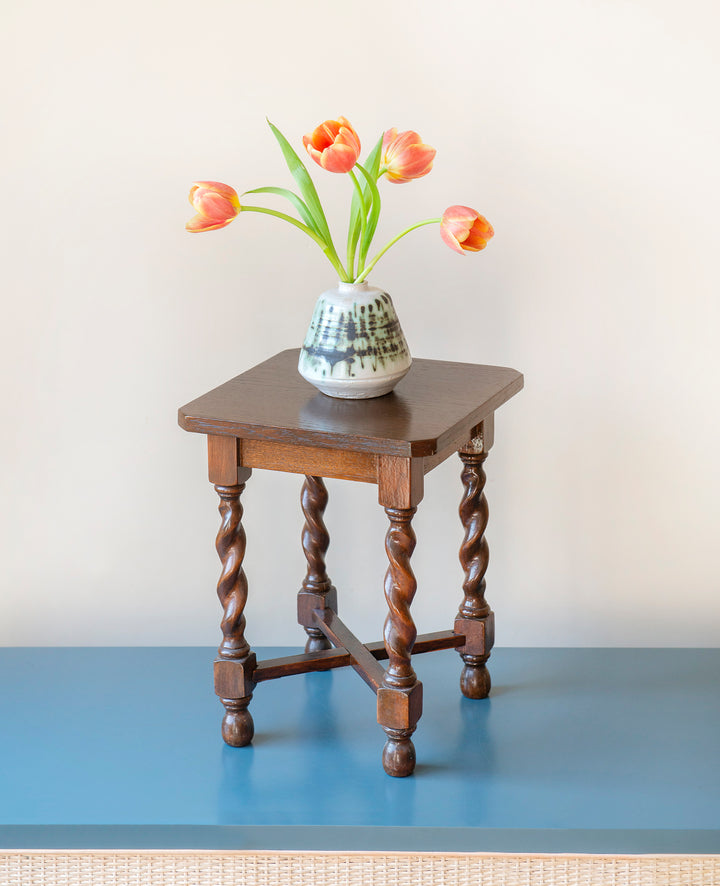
364	336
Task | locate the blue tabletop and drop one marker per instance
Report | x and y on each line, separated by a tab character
607	750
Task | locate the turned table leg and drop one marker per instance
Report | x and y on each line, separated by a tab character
475	619
400	696
317	590
235	663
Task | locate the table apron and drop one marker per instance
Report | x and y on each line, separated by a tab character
311	460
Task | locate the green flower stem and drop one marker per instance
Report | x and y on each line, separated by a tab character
373	213
326	247
366	270
363	222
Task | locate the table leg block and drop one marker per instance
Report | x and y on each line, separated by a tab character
398	711
307	601
479	635
234	685
399	708
234	679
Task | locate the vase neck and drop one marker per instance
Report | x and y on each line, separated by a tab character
353	288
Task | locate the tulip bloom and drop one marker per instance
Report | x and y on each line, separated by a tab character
464	229
216	205
404	156
334	145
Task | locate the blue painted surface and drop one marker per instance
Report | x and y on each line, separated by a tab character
576	750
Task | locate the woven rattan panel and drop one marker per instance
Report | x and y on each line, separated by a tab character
52	868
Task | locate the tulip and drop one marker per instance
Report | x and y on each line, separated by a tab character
334	145
404	156
464	229
216	205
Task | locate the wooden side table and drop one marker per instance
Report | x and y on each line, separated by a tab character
270	417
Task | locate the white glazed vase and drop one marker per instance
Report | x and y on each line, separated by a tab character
354	348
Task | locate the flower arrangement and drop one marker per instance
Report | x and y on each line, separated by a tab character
334	145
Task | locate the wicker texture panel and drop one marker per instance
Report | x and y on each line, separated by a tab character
51	868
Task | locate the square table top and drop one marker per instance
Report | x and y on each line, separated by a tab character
437	404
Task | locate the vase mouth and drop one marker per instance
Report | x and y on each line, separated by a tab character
353	287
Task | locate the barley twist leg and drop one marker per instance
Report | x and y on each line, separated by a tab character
400	696
475	618
317	591
232	589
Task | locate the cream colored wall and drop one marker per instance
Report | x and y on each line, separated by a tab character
587	132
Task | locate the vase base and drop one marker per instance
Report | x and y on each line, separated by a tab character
357	388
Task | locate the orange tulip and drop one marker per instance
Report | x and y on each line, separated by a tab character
216	205
334	145
404	156
464	229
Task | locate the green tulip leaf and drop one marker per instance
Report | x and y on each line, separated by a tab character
299	204
312	201
304	182
372	164
353	231
373	214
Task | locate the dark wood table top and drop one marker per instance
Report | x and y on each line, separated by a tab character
435	405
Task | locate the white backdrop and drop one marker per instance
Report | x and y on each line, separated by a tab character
587	132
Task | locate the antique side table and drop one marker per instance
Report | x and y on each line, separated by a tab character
271	418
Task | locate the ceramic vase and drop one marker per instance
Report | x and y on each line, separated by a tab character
354	348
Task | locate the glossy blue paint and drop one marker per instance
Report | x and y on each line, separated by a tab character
577	750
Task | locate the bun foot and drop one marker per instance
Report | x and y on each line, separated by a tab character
237	726
317	644
475	681
398	757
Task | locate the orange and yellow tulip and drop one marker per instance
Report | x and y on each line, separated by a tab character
404	156
334	145
216	205
464	229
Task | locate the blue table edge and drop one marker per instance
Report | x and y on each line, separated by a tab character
360	839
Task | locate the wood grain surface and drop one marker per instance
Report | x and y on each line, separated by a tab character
432	409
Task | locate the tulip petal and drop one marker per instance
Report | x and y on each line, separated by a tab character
404	141
450	240
334	145
326	135
405	157
200	223
388	139
464	229
348	136
478	236
474	242
219	188
312	150
214	205
339	158
458	228
461	213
